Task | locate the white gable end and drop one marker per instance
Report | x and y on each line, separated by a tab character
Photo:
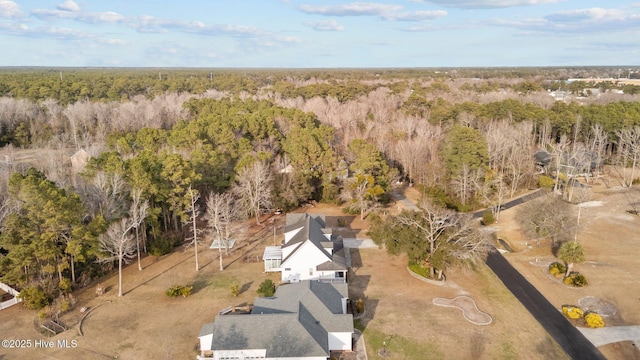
301	265
291	233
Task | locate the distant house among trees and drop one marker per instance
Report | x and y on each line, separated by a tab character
306	320
79	160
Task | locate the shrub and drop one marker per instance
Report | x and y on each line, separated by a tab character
360	306
235	290
65	285
573	312
419	269
267	288
594	320
34	298
546	182
576	279
557	269
177	290
487	218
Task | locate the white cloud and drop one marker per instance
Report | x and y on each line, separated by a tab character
416	15
352	9
68	5
586	14
45	14
9	9
594	20
330	25
486	4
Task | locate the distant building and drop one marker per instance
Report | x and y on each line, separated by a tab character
79	160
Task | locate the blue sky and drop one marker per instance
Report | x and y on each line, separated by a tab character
319	34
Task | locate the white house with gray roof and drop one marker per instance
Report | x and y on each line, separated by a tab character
309	251
305	320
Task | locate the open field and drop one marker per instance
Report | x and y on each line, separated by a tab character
611	238
145	324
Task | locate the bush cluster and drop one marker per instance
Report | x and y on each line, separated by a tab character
576	279
573	312
178	290
235	290
557	269
267	288
593	320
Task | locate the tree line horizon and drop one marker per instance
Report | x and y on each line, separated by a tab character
274	139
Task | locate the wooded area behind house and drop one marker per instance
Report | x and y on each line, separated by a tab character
160	139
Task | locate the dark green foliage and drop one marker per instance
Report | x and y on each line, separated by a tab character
35	298
164	244
464	146
47	237
267	288
399	238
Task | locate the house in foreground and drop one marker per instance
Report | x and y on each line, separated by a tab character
304	320
309	251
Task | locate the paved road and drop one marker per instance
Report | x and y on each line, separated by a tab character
406	202
515	202
572	341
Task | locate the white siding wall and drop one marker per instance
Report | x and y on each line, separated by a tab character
339	341
303	264
205	342
240	354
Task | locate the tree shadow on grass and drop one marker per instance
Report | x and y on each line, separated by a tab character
199	284
245	287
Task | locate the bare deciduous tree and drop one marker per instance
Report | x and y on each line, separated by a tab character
253	189
193	240
110	192
137	213
219	216
629	150
448	234
118	244
547	217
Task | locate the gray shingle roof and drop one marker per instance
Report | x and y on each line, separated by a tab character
293	323
313	230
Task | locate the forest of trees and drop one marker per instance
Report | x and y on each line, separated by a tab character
169	144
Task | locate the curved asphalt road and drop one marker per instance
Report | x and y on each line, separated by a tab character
572	341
